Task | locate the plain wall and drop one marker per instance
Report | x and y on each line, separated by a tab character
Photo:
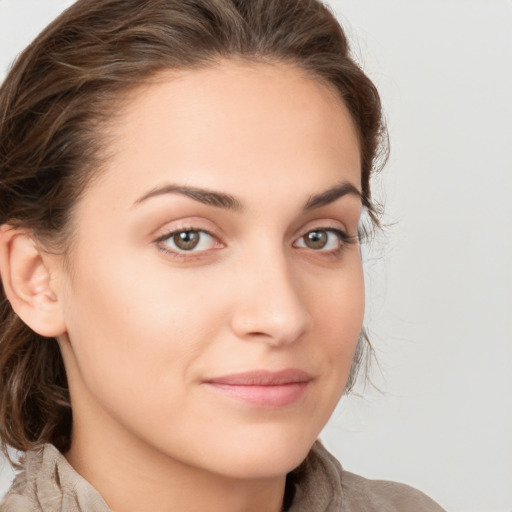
440	276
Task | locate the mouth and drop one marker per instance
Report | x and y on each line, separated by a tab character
263	388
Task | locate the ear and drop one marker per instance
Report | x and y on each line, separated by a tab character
28	282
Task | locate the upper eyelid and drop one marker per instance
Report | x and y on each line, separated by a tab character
169	232
321	224
192	224
344	235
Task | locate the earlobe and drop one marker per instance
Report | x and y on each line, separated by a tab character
28	282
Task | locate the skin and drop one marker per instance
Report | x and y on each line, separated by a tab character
145	324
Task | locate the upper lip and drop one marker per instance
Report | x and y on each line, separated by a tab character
263	378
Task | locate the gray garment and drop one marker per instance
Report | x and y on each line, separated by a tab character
49	484
322	485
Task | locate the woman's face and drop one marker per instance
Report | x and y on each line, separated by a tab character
216	293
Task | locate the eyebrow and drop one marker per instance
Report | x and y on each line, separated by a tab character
332	194
208	197
229	202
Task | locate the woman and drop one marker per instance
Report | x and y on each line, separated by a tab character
181	189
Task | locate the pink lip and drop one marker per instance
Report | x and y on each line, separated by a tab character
263	388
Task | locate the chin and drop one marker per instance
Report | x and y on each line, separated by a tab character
265	458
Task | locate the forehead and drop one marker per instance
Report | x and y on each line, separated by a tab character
243	123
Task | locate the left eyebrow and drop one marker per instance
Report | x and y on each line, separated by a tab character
332	194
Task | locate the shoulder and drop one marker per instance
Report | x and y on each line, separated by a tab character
322	485
20	496
47	483
383	496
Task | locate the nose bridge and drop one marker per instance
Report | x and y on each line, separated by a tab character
270	303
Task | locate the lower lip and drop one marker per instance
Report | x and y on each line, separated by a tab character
271	397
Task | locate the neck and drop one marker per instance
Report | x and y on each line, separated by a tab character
142	478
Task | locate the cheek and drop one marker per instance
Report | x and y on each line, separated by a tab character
136	344
145	328
339	314
339	306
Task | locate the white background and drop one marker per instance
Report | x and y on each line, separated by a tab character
440	279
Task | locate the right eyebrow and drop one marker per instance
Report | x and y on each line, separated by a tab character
202	195
332	194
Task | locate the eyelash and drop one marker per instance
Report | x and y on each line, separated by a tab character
344	240
180	253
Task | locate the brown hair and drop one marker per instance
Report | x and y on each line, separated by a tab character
61	92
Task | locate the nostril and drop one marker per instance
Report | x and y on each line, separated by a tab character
257	334
259	326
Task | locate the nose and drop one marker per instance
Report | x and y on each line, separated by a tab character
270	308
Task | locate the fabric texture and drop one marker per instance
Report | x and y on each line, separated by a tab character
48	483
322	485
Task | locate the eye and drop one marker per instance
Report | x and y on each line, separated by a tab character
187	240
323	240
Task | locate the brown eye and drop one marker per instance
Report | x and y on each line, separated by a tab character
325	240
316	239
186	240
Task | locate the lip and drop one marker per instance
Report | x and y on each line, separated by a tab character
263	388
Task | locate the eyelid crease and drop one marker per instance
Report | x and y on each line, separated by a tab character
186	223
